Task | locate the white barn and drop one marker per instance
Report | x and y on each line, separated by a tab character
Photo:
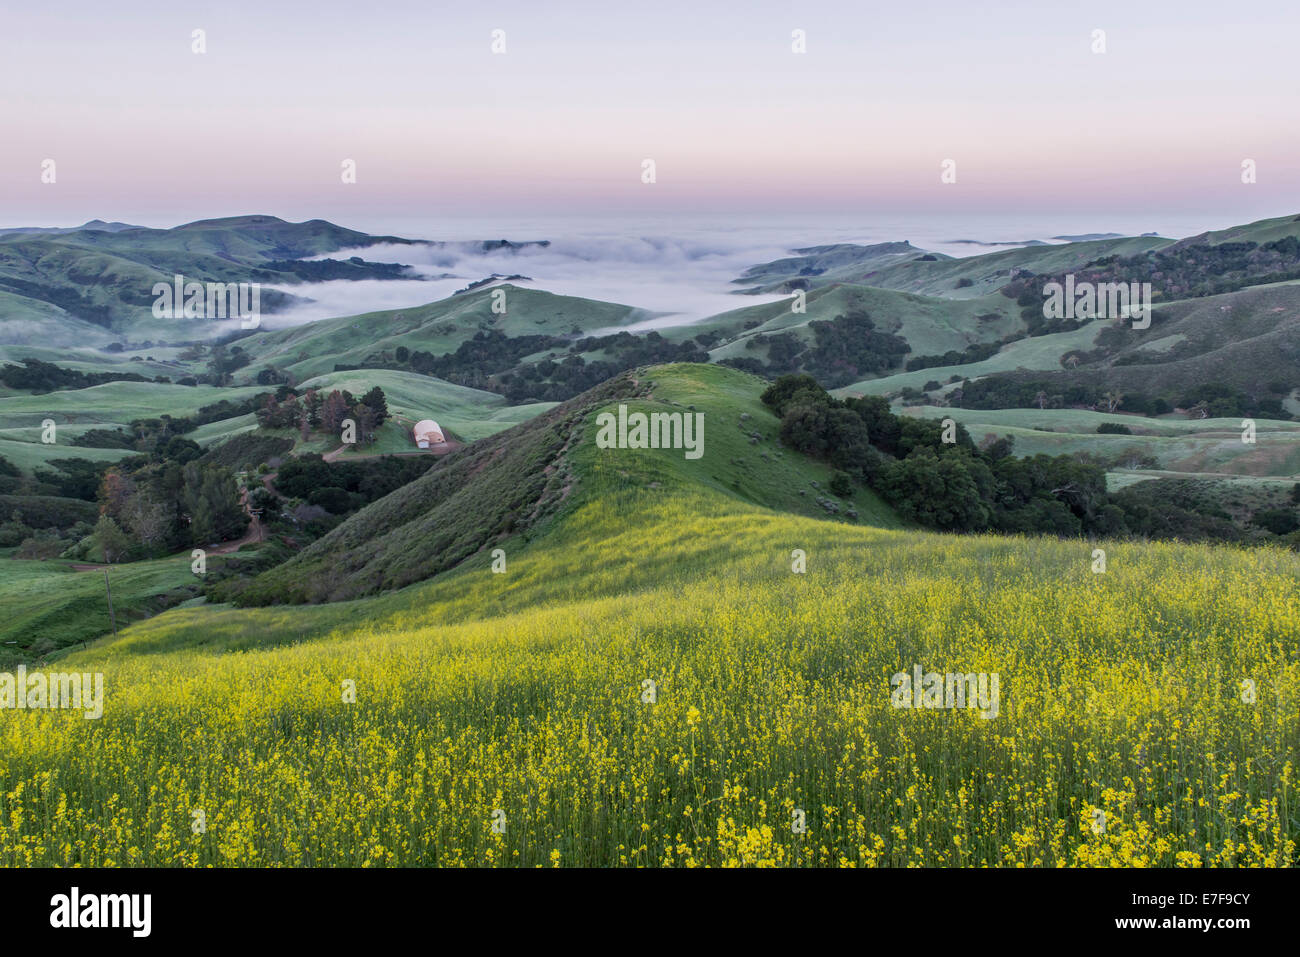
427	433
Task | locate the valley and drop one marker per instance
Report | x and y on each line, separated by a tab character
643	652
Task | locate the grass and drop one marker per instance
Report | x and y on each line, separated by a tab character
521	697
743	453
1178	444
1036	353
522	692
107	406
314	348
49	605
930	325
470	413
514	485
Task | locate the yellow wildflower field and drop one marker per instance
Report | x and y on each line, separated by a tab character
650	687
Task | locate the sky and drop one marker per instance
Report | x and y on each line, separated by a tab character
442	129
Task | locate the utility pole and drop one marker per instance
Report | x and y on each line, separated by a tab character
111	617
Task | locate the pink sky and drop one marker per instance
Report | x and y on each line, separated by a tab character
143	129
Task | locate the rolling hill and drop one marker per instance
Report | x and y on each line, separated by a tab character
513	484
104	278
928	324
653	678
932	274
438	327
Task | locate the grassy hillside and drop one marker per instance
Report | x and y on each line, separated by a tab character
470	413
931	326
822	265
110	405
1037	353
105	278
523	697
1177	444
511	486
1260	231
29	322
49	605
150	362
966	278
439	327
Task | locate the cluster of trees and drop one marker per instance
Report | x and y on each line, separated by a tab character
40	377
1216	400
71	299
340	487
1184	271
938	477
551	380
844	350
487	354
164	437
1187	271
163	507
169	496
31	507
493	361
223	362
1061	391
977	352
318	411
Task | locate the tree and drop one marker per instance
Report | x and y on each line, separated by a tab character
782	392
365	418
110	539
312	401
210	498
182	450
377	403
938	491
1279	521
334	411
114	490
147	518
331	498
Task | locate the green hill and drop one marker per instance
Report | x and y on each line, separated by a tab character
470	413
108	406
105	279
929	325
1261	231
512	485
651	680
943	276
49	605
439	327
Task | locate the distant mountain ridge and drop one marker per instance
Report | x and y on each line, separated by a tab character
96	224
93	284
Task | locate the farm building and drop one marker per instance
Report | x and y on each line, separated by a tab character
427	433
